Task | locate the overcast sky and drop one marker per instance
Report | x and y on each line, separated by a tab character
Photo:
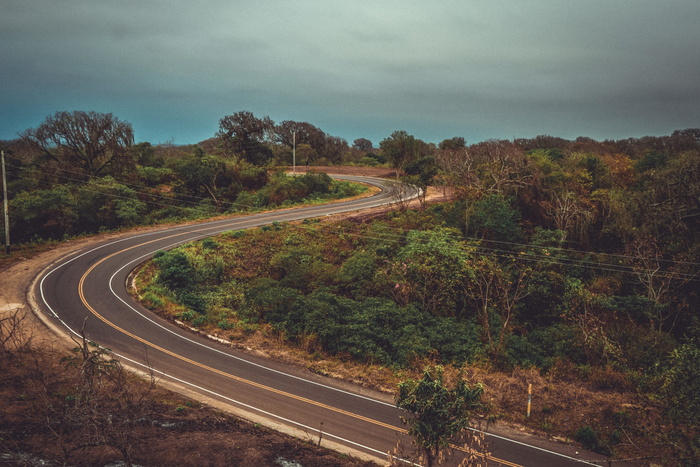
357	69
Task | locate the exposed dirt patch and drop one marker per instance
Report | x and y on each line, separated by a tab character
169	430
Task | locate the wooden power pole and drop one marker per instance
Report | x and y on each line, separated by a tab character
5	208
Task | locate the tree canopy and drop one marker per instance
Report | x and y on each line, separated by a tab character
96	143
438	414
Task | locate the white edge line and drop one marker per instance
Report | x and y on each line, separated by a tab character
41	290
187	339
242	404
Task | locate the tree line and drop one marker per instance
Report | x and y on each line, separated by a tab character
81	172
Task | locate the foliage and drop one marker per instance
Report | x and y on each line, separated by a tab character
587	437
493	218
53	212
681	392
95	143
245	135
400	148
438	414
421	173
431	269
175	270
587	254
682	385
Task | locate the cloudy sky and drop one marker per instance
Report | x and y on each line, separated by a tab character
357	69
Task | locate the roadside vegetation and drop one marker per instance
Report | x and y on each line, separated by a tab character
568	265
82	408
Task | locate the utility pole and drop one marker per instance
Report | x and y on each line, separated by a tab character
5	208
294	152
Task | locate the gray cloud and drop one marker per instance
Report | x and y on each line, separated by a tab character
477	69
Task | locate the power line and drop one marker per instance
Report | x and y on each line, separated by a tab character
542	259
399	236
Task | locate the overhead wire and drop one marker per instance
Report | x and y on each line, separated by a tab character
543	259
138	189
472	242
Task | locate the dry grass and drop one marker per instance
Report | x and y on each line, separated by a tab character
170	430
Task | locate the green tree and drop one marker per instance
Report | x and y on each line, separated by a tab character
400	148
245	135
104	202
96	143
457	142
362	144
430	270
145	155
175	270
299	267
312	144
681	389
357	273
493	218
47	213
421	173
438	414
204	175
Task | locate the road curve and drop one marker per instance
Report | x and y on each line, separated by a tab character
89	286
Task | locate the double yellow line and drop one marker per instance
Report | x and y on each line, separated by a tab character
229	375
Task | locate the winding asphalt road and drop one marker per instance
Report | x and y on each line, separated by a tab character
89	286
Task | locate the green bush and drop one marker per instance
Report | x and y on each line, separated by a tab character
587	437
152	301
193	301
174	270
225	325
209	244
187	315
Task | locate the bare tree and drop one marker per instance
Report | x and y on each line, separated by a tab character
569	212
660	277
497	290
102	405
492	166
401	194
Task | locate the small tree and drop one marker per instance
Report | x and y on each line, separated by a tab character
400	148
421	174
439	415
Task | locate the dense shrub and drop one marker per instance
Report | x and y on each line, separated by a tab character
175	270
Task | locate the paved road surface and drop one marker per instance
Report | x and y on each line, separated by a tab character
90	285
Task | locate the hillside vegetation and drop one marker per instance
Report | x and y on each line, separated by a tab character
577	265
570	265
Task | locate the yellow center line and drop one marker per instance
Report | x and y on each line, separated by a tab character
229	375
